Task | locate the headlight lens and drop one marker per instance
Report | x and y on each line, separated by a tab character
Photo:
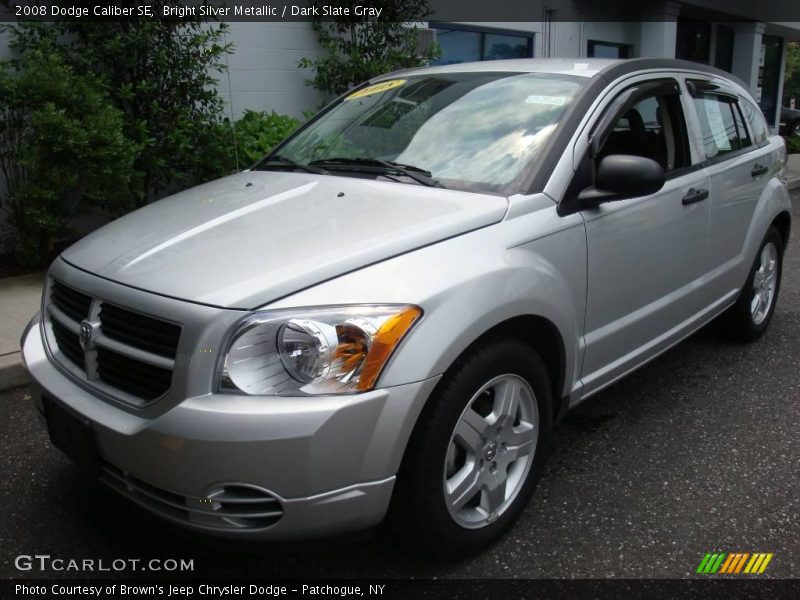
314	351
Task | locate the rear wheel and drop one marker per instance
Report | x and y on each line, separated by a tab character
748	319
477	452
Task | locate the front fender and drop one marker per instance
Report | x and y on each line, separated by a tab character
466	286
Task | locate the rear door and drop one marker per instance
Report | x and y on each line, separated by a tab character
739	164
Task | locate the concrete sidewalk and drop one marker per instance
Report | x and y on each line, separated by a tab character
19	300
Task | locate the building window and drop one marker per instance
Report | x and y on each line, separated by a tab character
608	50
769	67
467	44
723	50
693	41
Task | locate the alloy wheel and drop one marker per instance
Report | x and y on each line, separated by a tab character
765	282
491	451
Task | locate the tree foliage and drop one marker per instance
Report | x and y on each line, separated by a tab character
62	149
791	85
357	50
161	75
248	140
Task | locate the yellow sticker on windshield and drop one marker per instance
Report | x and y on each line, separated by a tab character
376	89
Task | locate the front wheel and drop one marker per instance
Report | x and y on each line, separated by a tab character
477	452
747	320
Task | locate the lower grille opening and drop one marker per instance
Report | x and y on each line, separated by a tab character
231	507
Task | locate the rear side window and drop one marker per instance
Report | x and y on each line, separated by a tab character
721	124
758	125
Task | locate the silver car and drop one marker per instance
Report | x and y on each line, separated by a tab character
385	317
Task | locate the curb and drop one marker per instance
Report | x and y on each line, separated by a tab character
12	373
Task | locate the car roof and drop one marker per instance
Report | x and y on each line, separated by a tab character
579	67
587	67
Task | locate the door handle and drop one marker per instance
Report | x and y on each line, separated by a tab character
694	195
758	170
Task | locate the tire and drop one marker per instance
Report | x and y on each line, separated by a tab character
446	448
748	319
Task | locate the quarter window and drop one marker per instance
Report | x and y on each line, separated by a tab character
756	120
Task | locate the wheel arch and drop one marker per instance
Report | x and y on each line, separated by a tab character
543	335
783	223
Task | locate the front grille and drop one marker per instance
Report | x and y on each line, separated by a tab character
71	302
131	353
68	344
132	376
139	331
236	506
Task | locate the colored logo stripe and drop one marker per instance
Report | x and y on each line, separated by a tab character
734	563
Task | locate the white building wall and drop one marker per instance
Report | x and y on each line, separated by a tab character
263	72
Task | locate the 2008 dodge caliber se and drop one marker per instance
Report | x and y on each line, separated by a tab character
385	317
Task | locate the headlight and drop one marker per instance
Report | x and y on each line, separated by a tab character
314	351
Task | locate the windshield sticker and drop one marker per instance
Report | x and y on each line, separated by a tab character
376	89
551	100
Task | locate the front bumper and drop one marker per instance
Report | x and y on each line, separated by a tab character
326	463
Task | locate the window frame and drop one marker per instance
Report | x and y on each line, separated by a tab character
629	97
759	115
698	87
621	97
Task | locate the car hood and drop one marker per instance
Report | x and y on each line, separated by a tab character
251	238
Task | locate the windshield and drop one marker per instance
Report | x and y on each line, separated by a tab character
471	131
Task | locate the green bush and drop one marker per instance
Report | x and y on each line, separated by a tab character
160	74
792	144
252	136
359	49
62	150
259	132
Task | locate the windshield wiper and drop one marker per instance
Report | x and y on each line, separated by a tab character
416	173
282	160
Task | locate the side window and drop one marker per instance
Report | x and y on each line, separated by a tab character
721	123
758	124
653	127
716	124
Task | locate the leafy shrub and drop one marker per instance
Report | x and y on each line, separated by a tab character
62	150
259	132
160	74
359	49
792	144
253	136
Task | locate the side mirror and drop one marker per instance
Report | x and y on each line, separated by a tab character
622	176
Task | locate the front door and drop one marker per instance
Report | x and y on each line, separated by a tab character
646	256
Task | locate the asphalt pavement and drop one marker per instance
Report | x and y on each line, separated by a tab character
697	452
